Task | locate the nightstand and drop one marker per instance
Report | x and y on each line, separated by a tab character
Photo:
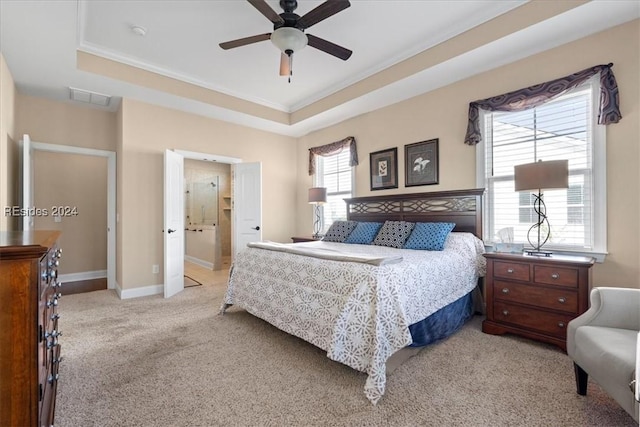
304	239
535	297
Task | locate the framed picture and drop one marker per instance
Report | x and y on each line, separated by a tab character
384	169
421	163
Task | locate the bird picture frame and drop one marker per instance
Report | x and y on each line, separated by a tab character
383	166
421	163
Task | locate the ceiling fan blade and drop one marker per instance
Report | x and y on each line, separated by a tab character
285	69
328	47
322	12
266	10
245	41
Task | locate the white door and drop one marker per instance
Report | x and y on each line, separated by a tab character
637	378
27	181
247	204
173	223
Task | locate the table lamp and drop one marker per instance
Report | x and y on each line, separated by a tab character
541	176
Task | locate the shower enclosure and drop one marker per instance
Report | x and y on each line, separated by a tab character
202	202
202	239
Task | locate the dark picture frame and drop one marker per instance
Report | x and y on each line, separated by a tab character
383	167
421	163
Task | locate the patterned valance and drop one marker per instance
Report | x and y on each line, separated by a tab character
333	148
536	95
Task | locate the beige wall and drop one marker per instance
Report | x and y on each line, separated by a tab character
443	114
65	123
74	180
147	131
8	147
80	182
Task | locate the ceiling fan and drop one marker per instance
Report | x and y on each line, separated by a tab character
288	31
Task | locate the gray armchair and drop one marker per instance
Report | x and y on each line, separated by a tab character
602	343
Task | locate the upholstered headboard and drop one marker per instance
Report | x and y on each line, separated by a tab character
462	207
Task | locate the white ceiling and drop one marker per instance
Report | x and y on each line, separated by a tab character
39	40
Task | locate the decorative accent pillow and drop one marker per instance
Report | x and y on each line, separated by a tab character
393	234
339	231
429	236
364	233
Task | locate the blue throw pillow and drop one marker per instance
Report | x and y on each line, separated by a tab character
429	236
393	234
364	233
339	231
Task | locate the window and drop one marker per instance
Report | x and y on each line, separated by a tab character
334	173
563	128
527	214
575	205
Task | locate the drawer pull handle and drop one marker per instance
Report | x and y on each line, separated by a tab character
555	276
505	290
510	270
505	312
561	324
562	300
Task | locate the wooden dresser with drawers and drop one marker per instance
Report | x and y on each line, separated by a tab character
535	296
29	348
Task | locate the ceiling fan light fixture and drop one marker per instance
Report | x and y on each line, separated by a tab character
289	38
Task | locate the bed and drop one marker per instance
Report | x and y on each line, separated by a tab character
363	303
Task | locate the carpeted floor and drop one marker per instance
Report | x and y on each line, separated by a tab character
176	362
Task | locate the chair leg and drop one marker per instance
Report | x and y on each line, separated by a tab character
581	380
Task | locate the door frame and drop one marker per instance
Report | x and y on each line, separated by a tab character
111	196
194	155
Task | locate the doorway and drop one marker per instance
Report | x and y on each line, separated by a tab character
245	204
207	214
105	227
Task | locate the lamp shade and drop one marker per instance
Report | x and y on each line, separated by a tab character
542	175
318	195
289	38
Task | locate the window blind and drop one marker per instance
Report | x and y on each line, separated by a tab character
334	173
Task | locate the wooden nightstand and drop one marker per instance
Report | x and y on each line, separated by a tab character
535	297
304	239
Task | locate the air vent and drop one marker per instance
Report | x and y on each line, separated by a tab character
89	97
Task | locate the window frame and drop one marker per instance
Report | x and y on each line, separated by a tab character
599	180
318	181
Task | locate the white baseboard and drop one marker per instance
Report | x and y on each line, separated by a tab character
198	261
143	291
84	275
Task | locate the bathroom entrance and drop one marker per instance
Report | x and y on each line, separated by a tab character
243	202
207	187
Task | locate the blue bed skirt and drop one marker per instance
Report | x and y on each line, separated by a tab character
443	322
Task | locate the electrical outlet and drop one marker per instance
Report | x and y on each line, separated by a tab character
155	269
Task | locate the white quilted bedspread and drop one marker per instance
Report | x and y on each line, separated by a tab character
358	313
